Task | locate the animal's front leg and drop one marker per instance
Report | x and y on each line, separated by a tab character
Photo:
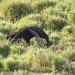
37	40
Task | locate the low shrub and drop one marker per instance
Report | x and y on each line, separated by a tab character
73	65
1	35
1	0
39	60
4	50
4	47
4	27
42	4
11	64
53	22
71	16
1	65
64	6
14	10
53	11
17	49
30	20
69	54
59	64
26	61
68	29
55	37
42	62
1	17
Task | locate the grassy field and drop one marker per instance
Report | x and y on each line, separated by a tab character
56	18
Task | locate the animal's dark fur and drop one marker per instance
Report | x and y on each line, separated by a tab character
27	34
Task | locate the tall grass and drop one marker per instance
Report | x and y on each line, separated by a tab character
56	18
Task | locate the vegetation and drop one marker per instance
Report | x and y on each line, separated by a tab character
56	18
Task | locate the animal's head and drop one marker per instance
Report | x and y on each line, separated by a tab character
49	43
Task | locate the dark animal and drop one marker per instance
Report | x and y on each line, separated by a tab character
28	33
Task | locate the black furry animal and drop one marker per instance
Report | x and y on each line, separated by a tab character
28	33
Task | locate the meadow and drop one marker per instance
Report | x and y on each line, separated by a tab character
56	18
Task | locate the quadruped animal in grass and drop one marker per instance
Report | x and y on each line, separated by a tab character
28	33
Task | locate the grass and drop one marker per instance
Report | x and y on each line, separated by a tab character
57	19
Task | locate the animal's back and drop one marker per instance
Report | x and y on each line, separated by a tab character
38	30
